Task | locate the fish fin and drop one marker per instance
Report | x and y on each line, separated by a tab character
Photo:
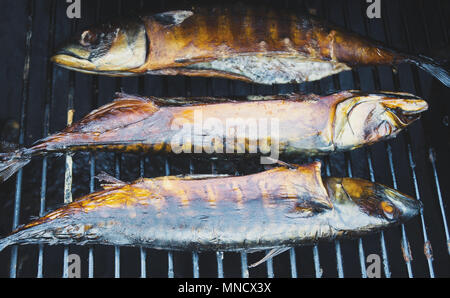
123	95
281	163
110	180
433	67
11	162
8	147
271	254
5	242
202	176
124	111
171	18
306	209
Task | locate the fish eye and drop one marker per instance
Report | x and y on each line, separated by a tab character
388	209
88	38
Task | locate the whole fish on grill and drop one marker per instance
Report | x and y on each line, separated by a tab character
222	128
276	209
249	44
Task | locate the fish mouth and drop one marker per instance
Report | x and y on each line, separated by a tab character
405	111
67	59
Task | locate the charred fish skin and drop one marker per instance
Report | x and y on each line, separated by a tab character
243	43
293	207
306	125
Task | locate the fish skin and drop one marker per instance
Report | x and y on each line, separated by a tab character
179	42
276	208
307	125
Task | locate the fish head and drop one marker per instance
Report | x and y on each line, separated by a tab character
111	48
363	206
367	118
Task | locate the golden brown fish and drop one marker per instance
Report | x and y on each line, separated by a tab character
249	44
222	127
275	209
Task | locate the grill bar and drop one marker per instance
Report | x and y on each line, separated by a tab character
46	127
418	89
69	161
368	152
269	265
244	265
431	151
219	254
412	155
195	261
244	261
170	271
142	250
293	263
387	271
118	159
24	104
91	189
337	243
357	86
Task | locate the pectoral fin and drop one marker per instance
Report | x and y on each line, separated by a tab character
271	254
171	18
306	209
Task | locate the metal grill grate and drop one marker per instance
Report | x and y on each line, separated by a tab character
416	162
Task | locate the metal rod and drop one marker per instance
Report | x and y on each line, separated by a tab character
317	268
69	160
219	254
46	129
431	151
118	158
169	253
337	244
91	190
24	105
404	241
244	265
94	105
387	271
142	250
269	266
427	243
441	202
195	263
293	263
244	262
357	85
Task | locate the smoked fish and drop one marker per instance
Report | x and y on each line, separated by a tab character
222	127
279	208
243	43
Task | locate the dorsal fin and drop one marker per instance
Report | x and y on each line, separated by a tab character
193	177
187	101
109	181
123	111
123	95
174	17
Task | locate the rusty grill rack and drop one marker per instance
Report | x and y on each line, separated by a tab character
416	162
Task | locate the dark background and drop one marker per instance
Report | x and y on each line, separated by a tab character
39	96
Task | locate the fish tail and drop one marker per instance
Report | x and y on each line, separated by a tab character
11	162
433	67
5	242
